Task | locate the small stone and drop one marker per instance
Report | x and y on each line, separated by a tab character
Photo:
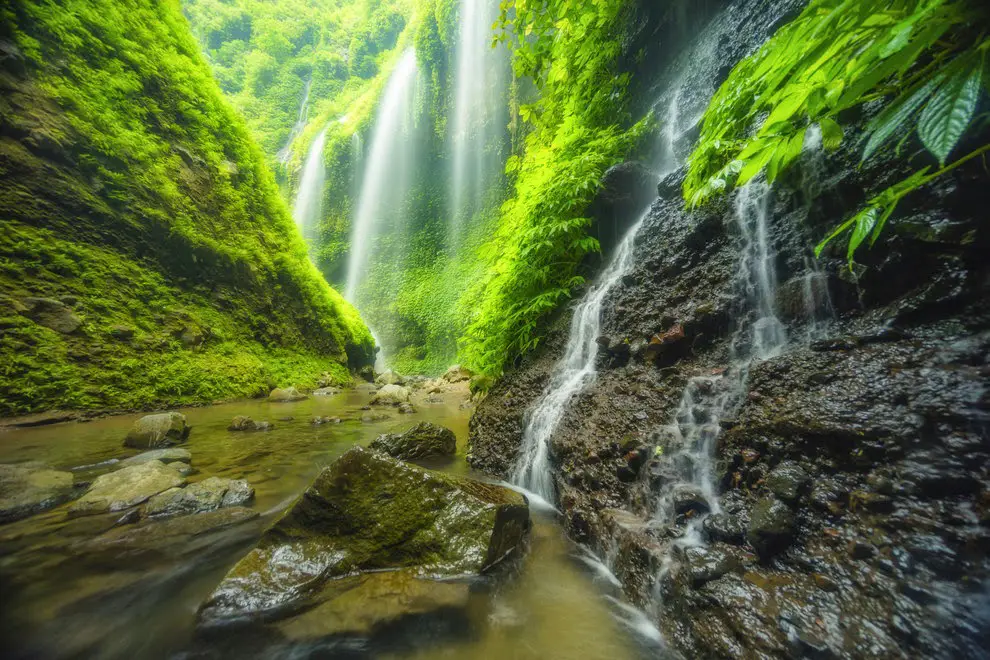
861	550
690	500
182	468
406	409
772	527
207	495
390	395
787	481
825	583
317	421
167	455
423	440
243	423
326	391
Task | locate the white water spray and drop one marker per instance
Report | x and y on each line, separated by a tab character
285	153
309	199
478	86
389	160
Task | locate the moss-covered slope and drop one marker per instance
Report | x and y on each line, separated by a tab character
137	208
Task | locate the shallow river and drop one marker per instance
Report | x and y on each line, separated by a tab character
72	588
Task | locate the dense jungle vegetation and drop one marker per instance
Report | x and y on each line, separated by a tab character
147	256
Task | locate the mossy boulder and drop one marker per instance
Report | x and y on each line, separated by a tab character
155	431
421	441
285	394
369	512
208	495
127	487
389	377
29	488
390	395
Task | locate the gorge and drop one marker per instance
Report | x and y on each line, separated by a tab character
482	329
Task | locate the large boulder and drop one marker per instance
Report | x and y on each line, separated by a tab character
389	377
457	374
421	441
127	487
207	495
167	455
390	395
370	512
28	488
285	394
161	430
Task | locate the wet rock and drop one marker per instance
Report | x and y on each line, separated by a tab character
326	391
127	487
787	481
457	374
406	409
244	423
366	387
390	395
29	488
710	563
207	495
365	512
155	431
51	313
690	500
182	468
286	394
772	527
318	421
167	455
423	440
725	527
389	377
662	343
371	418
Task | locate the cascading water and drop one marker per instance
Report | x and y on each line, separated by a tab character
285	153
687	445
478	87
309	199
573	373
389	161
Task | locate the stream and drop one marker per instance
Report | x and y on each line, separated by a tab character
73	588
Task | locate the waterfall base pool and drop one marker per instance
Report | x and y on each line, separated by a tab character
71	588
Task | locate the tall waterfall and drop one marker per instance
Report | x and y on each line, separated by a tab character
387	168
478	85
309	198
285	152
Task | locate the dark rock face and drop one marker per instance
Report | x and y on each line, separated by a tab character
853	470
370	512
421	441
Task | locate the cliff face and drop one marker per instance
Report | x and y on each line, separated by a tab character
850	466
147	256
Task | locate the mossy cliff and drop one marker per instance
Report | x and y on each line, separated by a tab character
146	257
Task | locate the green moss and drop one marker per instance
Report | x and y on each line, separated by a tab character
131	186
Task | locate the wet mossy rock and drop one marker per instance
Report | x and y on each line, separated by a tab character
421	441
286	394
156	431
369	511
29	488
126	488
390	395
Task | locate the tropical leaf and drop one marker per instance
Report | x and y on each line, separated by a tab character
831	134
947	115
897	114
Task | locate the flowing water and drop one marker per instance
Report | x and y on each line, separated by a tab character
70	589
575	371
478	116
285	153
387	169
309	199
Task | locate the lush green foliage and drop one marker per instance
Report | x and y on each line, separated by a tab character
927	55
263	53
131	186
578	127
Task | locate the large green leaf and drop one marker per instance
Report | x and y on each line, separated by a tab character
947	115
897	114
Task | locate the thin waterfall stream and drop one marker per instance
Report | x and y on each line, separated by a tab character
308	206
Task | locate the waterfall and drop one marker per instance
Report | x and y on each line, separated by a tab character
309	199
478	86
285	152
572	374
387	169
687	445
